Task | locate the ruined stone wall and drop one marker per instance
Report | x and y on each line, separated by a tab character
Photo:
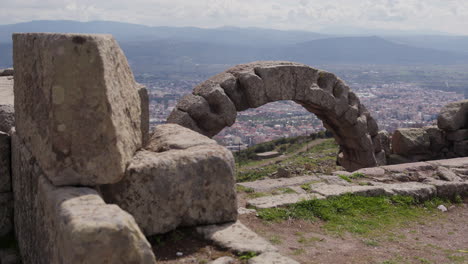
78	165
449	139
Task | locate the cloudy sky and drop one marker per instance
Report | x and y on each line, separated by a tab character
434	15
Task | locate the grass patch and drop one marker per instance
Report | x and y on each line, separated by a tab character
344	177
350	178
244	189
247	255
355	214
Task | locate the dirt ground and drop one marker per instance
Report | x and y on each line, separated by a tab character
440	238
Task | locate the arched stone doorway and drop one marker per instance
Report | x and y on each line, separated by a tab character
214	104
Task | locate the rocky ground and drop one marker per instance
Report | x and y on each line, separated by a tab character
422	232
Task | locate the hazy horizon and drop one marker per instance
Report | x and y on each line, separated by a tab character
333	17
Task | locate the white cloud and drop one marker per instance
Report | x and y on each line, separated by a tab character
441	15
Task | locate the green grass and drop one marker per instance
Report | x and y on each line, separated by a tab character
355	214
319	158
247	255
350	178
244	189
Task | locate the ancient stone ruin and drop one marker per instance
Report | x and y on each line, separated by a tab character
88	183
80	140
449	139
214	105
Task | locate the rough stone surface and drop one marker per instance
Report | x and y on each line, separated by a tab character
270	184
243	210
453	116
461	148
6	90
235	237
77	106
223	260
414	189
281	200
458	135
255	84
69	224
187	184
172	136
447	174
271	258
5	163
9	256
7	118
6	213
407	141
437	138
337	190
450	189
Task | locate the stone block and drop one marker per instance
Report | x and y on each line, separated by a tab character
457	135
408	141
183	185
281	200
453	116
7	118
79	112
437	138
271	258
6	214
72	225
461	148
5	163
283	81
235	237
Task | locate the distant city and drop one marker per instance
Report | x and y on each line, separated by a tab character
393	105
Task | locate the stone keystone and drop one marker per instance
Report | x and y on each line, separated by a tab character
78	108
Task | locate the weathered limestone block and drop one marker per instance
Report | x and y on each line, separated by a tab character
199	110
6	213
186	184
235	237
56	225
232	89
182	118
77	106
436	138
219	102
284	81
407	141
271	258
461	148
458	135
7	118
5	163
254	89
172	136
453	116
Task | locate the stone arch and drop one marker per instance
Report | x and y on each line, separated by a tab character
214	104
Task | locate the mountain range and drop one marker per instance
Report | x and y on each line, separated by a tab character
148	46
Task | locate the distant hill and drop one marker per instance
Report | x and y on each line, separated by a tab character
370	50
134	32
154	49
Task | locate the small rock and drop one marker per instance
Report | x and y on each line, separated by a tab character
223	260
442	208
179	254
243	210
